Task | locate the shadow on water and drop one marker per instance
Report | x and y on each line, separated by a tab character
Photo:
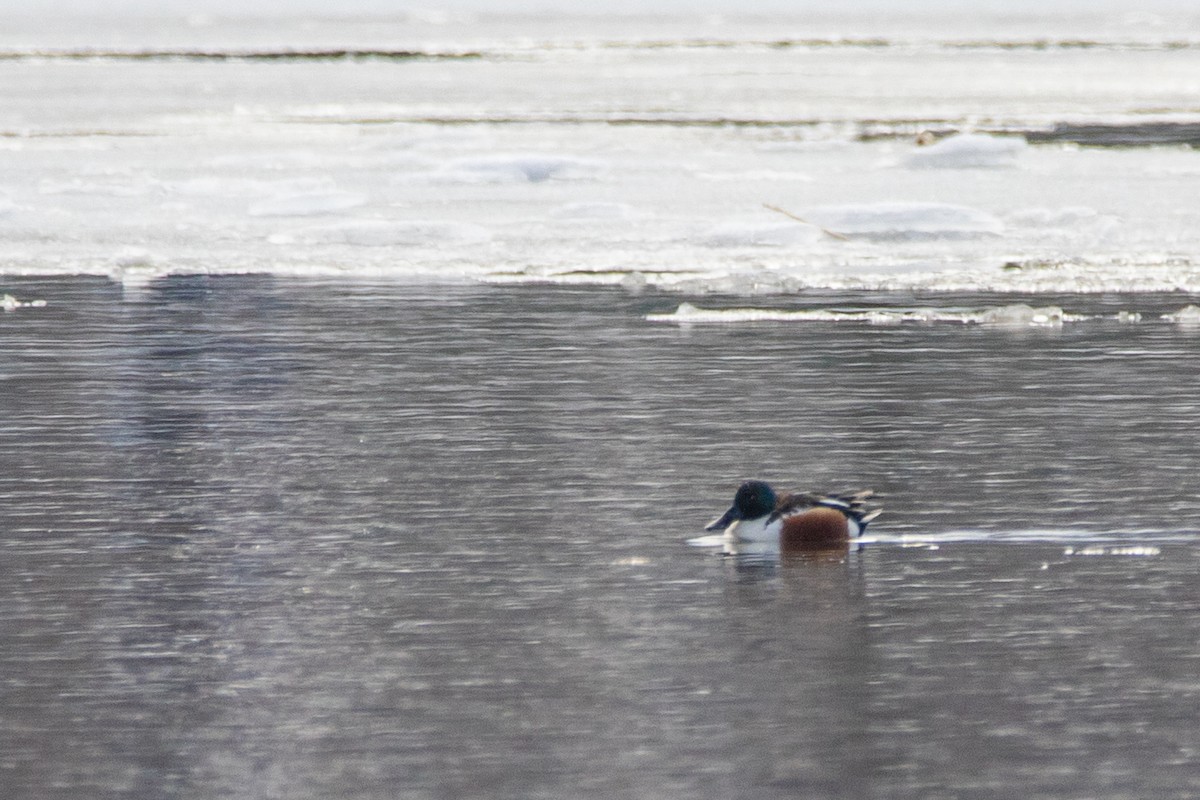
270	538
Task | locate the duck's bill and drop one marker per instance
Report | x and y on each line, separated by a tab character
724	521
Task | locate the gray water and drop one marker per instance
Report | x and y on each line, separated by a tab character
273	539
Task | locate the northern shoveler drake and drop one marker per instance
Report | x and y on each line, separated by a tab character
796	520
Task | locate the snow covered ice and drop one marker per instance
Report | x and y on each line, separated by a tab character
423	152
966	150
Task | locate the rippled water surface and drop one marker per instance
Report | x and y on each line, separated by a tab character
266	538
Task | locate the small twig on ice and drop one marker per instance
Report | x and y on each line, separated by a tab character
789	214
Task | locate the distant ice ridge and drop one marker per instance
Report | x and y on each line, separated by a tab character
516	168
1039	217
760	234
682	268
905	221
968	151
101	186
307	204
597	211
226	186
385	233
889	221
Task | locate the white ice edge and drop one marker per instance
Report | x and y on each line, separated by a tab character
1016	315
10	303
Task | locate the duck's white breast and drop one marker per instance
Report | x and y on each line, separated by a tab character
755	530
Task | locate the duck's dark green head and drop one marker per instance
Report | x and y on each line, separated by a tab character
754	499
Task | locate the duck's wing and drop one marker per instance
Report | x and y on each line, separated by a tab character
795	502
852	504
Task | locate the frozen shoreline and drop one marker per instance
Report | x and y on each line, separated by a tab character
514	149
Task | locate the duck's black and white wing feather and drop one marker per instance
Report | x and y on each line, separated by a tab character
852	504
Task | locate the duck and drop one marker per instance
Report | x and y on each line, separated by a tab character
795	520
